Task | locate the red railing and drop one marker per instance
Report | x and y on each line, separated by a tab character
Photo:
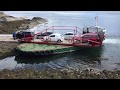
74	28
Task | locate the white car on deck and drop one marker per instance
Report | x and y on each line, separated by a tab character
69	35
55	37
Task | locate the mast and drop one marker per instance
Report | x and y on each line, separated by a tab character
96	18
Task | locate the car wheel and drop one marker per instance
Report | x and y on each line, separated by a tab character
59	41
38	37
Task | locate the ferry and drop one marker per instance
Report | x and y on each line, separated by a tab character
54	43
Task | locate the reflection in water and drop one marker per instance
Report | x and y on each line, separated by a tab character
9	63
76	59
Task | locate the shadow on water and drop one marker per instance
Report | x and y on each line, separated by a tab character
37	59
88	55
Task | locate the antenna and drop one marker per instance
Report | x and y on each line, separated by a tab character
96	18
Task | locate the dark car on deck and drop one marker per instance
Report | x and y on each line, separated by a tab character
24	34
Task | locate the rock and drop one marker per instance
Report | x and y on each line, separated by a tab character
35	21
37	18
2	19
2	14
88	69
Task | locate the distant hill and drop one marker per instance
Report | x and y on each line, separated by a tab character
9	24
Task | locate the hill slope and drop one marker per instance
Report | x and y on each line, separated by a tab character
9	24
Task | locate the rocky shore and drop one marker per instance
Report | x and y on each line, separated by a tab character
7	48
9	24
59	74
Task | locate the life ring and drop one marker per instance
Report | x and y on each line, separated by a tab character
42	39
70	40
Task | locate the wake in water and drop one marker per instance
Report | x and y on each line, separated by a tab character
112	41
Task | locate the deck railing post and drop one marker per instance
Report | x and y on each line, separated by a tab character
74	38
76	30
52	28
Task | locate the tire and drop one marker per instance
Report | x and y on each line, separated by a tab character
59	41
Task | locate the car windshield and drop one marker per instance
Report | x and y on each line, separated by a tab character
46	33
69	33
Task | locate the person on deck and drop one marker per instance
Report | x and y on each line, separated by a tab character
14	35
